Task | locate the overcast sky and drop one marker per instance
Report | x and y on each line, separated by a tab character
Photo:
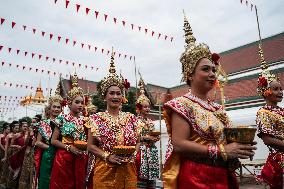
222	24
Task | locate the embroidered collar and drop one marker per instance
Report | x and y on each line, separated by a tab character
209	105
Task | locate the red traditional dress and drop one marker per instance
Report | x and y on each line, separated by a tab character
37	152
69	170
110	132
270	121
207	121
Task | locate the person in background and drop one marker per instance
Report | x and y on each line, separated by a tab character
70	163
147	160
270	123
45	130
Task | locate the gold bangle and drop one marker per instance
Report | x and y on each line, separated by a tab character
223	152
105	155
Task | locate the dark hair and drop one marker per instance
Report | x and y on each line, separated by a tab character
23	120
38	117
5	125
12	125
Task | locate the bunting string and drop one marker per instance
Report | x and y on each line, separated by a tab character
116	21
248	4
64	40
17	85
47	58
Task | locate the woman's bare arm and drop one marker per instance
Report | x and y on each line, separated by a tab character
39	143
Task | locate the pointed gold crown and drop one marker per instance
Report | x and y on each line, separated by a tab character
75	89
265	77
193	52
112	79
142	97
57	96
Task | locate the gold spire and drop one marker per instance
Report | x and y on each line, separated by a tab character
142	97
75	90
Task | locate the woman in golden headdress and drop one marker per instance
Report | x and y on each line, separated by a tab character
147	160
45	130
198	156
109	129
270	123
69	164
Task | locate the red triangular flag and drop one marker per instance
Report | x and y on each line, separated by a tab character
26	53
42	33
10	64
130	57
153	33
107	52
82	45
74	43
48	72
77	7
42	71
33	54
114	19
60	61
119	55
79	65
97	69
96	49
3	63
9	50
58	38
18	51
24	67
102	50
123	22
241	1
172	39
24	27
36	69
67	3
251	6
132	26
86	66
89	47
53	59
247	3
1	47
34	30
73	63
30	69
139	28
54	73
13	24
105	17
66	40
17	66
39	56
92	67
55	1
46	58
159	35
125	56
2	20
67	62
97	14
87	11
50	36
166	37
146	30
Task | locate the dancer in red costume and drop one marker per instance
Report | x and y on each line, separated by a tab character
70	163
270	122
198	155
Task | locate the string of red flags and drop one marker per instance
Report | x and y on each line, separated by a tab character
47	58
248	4
64	40
117	21
7	97
31	69
18	85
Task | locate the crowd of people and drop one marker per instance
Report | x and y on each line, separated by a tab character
78	149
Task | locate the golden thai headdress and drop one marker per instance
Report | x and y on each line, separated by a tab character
112	79
265	77
142	97
56	97
193	52
75	89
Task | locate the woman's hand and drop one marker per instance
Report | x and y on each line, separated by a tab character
150	138
242	151
116	159
75	150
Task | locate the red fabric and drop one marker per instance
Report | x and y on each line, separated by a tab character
69	171
16	160
138	163
37	156
272	172
201	176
